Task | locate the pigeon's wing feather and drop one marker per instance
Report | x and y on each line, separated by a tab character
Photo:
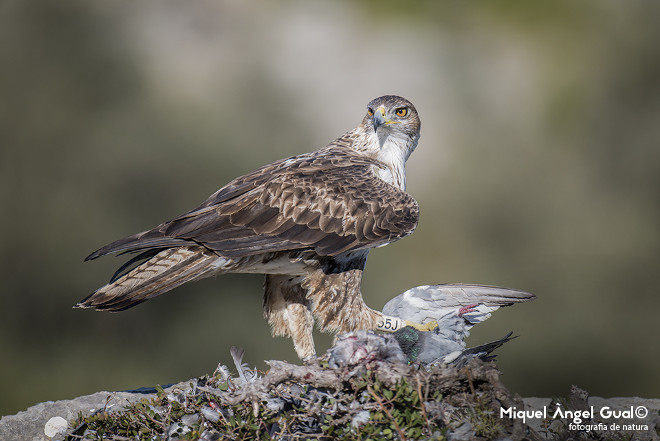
456	295
483	352
435	302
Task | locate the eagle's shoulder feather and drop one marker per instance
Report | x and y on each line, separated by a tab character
330	201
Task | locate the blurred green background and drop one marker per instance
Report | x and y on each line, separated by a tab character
538	169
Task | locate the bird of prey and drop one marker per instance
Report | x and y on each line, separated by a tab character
307	222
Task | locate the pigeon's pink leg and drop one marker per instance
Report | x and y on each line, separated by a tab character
467	309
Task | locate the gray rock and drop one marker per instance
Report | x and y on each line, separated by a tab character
29	425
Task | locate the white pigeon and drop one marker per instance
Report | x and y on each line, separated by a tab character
456	308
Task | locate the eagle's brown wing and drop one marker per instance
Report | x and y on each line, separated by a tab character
329	201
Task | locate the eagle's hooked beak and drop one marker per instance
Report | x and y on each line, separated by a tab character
379	117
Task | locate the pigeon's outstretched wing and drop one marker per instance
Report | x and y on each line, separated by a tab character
443	303
329	201
456	308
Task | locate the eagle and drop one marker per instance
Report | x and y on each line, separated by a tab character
307	222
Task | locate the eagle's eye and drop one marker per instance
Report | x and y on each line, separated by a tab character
402	112
370	111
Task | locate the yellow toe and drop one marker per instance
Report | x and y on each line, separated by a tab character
430	326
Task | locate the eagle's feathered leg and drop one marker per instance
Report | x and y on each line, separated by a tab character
287	311
336	301
337	304
291	303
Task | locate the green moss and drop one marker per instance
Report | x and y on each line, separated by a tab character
484	420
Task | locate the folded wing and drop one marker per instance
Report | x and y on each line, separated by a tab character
328	201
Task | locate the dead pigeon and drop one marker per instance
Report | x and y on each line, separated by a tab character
456	308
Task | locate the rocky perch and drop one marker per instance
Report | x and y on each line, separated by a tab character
372	399
413	384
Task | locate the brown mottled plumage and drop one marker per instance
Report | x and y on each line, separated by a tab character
307	222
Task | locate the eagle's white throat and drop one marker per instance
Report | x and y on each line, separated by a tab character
392	148
394	152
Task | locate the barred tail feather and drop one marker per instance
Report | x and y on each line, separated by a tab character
165	271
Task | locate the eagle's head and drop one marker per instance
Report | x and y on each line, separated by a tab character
392	115
389	133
